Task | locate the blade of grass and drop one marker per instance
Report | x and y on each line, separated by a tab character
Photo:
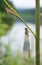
18	16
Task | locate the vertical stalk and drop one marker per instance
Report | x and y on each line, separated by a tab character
37	32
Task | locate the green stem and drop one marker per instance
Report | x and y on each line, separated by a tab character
37	32
27	26
18	16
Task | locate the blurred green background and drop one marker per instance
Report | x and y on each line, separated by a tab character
6	22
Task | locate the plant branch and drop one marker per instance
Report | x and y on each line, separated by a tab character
18	16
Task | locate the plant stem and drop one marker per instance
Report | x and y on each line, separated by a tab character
37	32
18	16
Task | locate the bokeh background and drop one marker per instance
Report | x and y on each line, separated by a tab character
12	31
